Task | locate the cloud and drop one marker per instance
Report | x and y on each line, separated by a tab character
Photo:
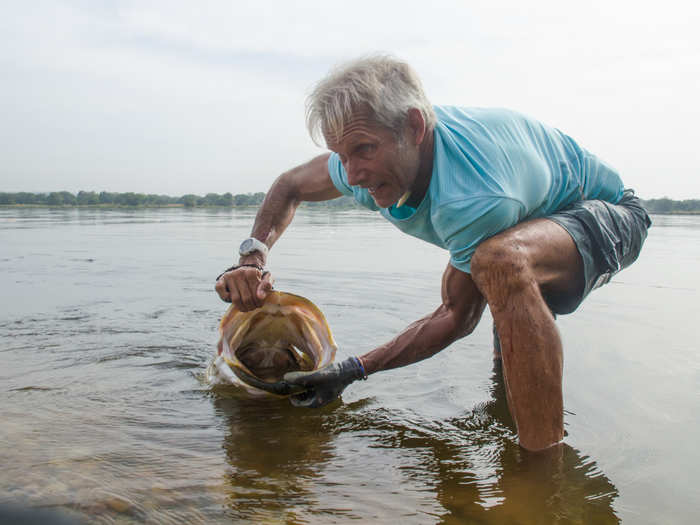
195	97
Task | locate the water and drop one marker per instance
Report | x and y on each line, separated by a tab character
108	319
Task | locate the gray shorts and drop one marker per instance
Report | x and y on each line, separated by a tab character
609	238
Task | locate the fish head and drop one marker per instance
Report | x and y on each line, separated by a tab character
287	333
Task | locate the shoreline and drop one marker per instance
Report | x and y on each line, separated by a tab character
222	207
167	206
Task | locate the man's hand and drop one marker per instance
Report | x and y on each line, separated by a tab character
326	384
246	287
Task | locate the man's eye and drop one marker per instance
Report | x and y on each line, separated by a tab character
365	149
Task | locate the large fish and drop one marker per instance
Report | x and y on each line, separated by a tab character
287	333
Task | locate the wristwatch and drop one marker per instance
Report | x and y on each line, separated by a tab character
250	245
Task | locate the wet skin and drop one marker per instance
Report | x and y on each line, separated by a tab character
373	158
511	271
386	165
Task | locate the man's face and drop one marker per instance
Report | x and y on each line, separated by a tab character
375	159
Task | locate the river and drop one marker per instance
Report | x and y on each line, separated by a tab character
108	320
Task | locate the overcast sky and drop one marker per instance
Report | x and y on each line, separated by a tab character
208	96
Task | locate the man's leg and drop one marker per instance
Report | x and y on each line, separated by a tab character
513	270
497	342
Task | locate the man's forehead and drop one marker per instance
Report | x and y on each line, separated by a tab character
359	126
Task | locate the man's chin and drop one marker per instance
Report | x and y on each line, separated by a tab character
384	203
384	198
389	201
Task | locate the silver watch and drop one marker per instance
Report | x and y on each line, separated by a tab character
250	245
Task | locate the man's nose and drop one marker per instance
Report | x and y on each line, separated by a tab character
356	172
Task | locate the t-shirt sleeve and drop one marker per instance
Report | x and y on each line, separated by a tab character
462	235
340	180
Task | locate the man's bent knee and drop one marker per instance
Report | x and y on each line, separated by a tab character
539	252
500	267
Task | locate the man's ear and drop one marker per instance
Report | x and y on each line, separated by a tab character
416	124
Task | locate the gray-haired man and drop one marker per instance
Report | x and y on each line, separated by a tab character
532	221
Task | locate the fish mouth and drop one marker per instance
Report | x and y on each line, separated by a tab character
287	333
270	362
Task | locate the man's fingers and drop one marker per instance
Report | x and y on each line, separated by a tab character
247	295
244	288
299	378
222	290
265	286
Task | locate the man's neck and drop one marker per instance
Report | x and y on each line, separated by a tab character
425	170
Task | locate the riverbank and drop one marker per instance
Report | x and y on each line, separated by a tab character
130	200
303	205
306	205
91	199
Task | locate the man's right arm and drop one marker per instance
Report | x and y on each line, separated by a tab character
245	287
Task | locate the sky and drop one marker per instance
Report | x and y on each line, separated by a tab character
176	97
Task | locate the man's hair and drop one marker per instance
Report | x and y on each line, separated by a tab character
382	85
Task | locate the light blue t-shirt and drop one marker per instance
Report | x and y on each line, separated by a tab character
492	169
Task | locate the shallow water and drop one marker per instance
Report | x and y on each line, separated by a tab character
108	319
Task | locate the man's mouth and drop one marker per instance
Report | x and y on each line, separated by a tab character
373	189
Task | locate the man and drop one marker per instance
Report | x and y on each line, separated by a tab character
532	221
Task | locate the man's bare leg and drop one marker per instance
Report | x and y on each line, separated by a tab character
513	270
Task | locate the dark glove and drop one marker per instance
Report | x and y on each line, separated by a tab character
324	385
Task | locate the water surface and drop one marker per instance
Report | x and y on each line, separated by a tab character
108	319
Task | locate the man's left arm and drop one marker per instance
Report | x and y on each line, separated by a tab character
457	316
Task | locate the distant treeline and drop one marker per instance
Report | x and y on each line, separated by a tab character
666	205
130	199
92	198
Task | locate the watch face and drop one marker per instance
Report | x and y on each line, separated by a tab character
246	246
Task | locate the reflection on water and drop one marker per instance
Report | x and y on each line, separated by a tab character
558	485
275	455
280	458
108	321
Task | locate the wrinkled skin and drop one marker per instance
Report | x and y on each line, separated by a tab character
287	333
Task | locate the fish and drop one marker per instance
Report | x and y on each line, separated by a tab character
287	333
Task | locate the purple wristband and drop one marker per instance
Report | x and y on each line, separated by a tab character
364	374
